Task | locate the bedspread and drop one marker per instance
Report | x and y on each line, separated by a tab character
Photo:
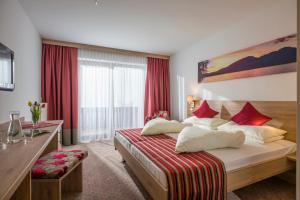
198	175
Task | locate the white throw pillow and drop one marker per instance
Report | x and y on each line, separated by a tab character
260	133
271	139
193	139
211	123
160	125
274	123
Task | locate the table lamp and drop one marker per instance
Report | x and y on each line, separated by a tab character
191	102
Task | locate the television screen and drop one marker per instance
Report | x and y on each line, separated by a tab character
6	68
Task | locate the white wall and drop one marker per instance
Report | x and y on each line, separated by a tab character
18	33
277	20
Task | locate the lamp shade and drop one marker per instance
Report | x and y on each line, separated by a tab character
189	99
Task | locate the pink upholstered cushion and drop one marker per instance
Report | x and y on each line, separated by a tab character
56	163
162	114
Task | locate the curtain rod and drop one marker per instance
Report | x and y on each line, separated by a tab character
104	49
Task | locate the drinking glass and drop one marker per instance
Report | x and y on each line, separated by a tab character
28	135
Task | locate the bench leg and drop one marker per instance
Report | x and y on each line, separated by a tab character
73	182
46	190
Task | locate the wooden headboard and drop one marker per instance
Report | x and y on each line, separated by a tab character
283	111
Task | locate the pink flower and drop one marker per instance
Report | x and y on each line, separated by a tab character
59	162
40	161
59	156
38	172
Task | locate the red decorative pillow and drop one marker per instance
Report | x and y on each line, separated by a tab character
250	116
204	111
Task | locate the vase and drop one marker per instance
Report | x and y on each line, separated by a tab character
35	116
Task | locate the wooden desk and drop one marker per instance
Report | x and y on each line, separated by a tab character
17	160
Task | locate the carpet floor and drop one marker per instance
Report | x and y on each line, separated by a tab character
105	177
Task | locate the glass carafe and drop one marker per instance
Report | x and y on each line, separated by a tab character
14	133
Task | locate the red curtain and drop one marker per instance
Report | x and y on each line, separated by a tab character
157	91
60	87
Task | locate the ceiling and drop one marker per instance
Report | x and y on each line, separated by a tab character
154	26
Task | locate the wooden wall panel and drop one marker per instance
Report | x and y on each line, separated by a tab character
283	111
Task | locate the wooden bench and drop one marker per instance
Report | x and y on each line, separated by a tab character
57	172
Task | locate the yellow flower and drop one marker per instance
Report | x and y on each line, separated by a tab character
29	103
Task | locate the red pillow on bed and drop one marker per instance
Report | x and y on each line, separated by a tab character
204	111
250	116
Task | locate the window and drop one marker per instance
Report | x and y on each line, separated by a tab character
111	94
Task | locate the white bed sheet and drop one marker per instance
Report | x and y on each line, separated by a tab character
249	154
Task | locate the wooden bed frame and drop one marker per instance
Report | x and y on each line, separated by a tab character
283	111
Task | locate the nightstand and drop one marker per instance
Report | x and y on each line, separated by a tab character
292	157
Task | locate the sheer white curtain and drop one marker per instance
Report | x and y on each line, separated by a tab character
111	93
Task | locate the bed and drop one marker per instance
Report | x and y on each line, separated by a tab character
249	164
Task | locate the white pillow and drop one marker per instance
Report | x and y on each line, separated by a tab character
260	133
160	125
274	123
211	123
271	139
193	139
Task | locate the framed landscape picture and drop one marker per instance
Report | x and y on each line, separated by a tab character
276	56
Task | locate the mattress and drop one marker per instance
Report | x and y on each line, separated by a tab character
233	159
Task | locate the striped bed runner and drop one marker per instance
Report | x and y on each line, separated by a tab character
197	175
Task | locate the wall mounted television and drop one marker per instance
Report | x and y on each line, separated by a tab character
7	81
